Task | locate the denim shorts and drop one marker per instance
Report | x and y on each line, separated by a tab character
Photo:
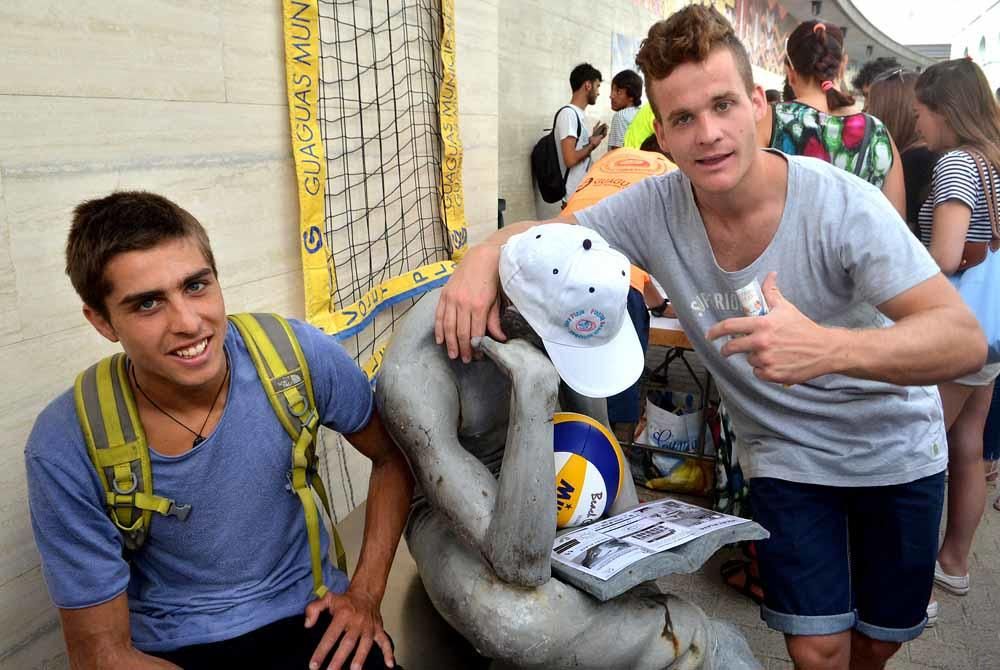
842	558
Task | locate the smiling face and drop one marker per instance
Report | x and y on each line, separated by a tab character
166	308
706	121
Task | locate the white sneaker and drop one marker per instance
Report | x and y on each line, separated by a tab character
932	614
959	585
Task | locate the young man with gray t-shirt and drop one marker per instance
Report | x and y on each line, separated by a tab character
828	384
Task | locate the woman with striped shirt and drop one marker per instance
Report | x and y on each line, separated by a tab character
956	113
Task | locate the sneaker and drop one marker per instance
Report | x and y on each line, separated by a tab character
932	614
959	585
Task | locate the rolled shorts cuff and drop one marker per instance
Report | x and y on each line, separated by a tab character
795	624
890	634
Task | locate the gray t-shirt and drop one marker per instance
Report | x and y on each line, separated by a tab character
840	249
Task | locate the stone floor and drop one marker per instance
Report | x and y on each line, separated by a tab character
967	636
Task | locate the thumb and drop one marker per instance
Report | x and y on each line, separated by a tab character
493	323
772	294
313	610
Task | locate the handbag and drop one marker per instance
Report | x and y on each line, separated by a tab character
978	277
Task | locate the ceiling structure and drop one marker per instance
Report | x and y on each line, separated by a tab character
863	40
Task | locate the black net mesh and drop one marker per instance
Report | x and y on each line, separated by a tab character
380	68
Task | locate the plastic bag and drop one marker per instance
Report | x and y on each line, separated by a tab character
673	422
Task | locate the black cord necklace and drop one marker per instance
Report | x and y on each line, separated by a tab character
198	437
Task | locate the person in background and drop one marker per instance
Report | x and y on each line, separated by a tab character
626	96
871	71
819	122
991	444
787	94
890	99
574	142
773	96
956	114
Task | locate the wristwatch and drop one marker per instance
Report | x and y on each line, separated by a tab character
658	310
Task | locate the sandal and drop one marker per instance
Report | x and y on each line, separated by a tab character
749	585
992	471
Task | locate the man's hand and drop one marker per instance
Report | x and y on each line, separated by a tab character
469	303
356	622
783	346
600	132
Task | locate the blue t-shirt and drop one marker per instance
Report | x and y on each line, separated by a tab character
241	560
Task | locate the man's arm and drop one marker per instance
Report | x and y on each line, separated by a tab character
935	338
571	155
468	305
356	612
99	637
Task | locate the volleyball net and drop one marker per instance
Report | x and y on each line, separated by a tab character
374	126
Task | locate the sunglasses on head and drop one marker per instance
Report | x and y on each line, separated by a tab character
886	76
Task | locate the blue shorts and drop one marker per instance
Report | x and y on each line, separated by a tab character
848	558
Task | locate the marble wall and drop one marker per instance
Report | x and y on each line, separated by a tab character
543	41
182	97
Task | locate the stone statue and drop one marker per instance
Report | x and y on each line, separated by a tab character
479	439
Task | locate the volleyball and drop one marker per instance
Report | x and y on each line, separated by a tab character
590	469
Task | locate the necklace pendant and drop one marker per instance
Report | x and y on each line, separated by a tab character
198	439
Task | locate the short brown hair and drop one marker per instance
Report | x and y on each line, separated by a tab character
689	36
123	221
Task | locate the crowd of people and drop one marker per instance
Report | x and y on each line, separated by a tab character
928	141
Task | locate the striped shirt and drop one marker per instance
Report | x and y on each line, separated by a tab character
957	178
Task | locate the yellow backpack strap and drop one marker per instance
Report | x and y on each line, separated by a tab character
284	373
118	449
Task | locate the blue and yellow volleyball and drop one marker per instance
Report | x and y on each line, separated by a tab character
590	469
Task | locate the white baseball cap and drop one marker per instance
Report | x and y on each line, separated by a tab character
572	287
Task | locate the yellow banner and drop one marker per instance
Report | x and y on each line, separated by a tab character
451	160
374	363
301	28
349	321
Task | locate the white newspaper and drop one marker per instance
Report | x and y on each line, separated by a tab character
605	548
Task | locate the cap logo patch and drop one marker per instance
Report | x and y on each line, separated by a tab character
585	324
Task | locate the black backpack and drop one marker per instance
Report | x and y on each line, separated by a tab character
545	163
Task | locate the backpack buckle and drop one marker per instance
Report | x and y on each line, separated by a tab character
178	510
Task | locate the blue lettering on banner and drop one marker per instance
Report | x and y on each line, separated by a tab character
312	239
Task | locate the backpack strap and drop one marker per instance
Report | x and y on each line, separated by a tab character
579	129
118	449
284	373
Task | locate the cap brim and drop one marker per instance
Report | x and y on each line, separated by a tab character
603	371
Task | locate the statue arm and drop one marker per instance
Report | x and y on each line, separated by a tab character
523	525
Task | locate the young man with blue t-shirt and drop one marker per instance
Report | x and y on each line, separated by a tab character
843	438
228	585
